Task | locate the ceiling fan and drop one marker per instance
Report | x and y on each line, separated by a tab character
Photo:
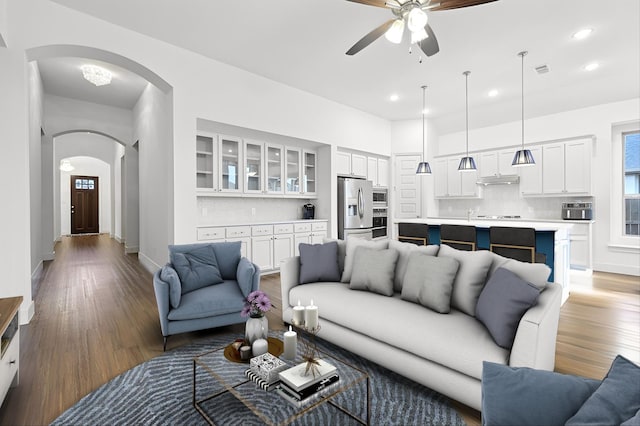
410	14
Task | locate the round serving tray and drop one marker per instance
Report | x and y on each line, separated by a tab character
276	348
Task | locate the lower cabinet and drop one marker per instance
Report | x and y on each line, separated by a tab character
581	253
10	351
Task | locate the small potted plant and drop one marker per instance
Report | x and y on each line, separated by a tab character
256	305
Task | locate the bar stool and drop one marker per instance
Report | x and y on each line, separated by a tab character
415	233
461	237
514	243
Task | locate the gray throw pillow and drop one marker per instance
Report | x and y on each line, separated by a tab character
342	251
404	250
528	397
170	276
373	270
319	262
616	400
471	277
197	268
352	244
429	281
502	303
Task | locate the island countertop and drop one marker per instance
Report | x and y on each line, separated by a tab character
538	225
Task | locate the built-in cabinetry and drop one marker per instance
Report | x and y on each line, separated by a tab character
227	166
566	168
268	244
449	182
10	347
496	163
580	239
378	171
531	176
370	167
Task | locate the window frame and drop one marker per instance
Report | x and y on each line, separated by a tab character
625	196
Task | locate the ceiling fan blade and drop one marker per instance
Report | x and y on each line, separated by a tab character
457	4
430	44
370	38
377	3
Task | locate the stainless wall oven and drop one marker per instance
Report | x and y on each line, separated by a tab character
379	222
380	198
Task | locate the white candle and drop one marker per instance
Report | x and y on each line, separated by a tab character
298	315
259	347
290	344
311	316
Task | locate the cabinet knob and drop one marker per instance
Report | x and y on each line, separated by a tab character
12	362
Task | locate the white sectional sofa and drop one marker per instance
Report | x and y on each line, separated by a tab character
443	351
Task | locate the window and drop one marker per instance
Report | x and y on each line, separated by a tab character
631	170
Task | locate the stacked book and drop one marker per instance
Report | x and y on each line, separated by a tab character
297	385
264	370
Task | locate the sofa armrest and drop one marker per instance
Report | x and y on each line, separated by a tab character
161	289
535	342
248	276
289	278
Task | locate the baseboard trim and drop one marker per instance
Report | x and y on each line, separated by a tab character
118	239
148	264
617	269
27	310
37	271
131	249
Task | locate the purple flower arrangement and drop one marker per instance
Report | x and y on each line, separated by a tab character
256	304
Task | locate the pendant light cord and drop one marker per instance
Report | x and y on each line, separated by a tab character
522	55
466	95
424	154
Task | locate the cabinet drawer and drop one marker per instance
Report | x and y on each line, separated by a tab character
283	228
8	370
261	230
302	227
319	226
238	231
210	234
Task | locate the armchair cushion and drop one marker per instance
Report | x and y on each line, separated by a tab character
206	302
170	276
245	274
197	268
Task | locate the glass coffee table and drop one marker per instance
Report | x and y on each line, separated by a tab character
223	395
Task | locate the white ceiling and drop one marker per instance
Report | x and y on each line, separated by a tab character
302	44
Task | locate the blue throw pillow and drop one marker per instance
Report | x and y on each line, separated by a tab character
617	398
319	262
170	276
197	268
502	303
525	396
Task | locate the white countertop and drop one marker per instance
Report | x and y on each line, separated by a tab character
538	225
263	222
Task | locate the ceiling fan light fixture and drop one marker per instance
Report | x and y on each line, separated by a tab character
416	19
418	36
395	32
96	75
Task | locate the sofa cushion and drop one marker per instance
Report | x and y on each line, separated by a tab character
429	281
319	262
197	268
456	340
220	299
342	252
534	273
246	271
228	255
617	398
373	270
502	303
632	421
404	251
471	277
525	396
170	276
352	244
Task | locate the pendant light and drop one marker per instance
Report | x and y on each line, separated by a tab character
523	157
467	164
423	168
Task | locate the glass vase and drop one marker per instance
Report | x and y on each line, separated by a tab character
257	327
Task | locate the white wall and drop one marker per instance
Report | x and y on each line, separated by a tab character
86	166
118	181
3	22
35	179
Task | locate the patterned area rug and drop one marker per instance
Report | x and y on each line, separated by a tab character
160	392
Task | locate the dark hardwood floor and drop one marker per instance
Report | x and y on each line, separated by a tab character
96	317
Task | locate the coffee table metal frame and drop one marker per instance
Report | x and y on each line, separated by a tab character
325	396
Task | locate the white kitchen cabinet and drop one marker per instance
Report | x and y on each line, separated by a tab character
581	246
351	164
343	163
262	252
531	176
274	168
253	167
372	170
207	162
10	353
302	234
242	234
383	172
454	178
440	180
566	168
282	248
230	164
309	173
358	165
318	232
452	183
292	170
496	163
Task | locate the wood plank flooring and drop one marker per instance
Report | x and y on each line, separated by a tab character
96	317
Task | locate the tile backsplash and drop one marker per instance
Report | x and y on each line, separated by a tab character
230	211
501	200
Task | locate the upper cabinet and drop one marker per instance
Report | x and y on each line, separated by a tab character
566	168
378	171
227	165
531	176
496	163
351	164
450	182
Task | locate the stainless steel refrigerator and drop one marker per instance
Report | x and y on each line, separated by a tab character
355	208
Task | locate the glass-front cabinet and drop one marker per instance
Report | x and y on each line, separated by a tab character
309	172
274	168
230	172
206	166
253	169
292	171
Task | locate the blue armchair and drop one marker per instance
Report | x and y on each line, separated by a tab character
204	286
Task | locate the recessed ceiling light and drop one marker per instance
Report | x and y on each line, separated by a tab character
96	75
582	34
394	97
493	93
425	111
592	66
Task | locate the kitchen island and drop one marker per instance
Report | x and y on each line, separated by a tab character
552	240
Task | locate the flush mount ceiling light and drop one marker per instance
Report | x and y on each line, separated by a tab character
591	67
65	166
96	75
523	157
394	97
423	167
492	93
582	34
467	163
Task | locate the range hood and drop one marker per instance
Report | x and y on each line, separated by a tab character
499	180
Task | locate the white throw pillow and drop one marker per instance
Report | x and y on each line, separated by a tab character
404	251
352	244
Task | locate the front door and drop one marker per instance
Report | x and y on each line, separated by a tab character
84	205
